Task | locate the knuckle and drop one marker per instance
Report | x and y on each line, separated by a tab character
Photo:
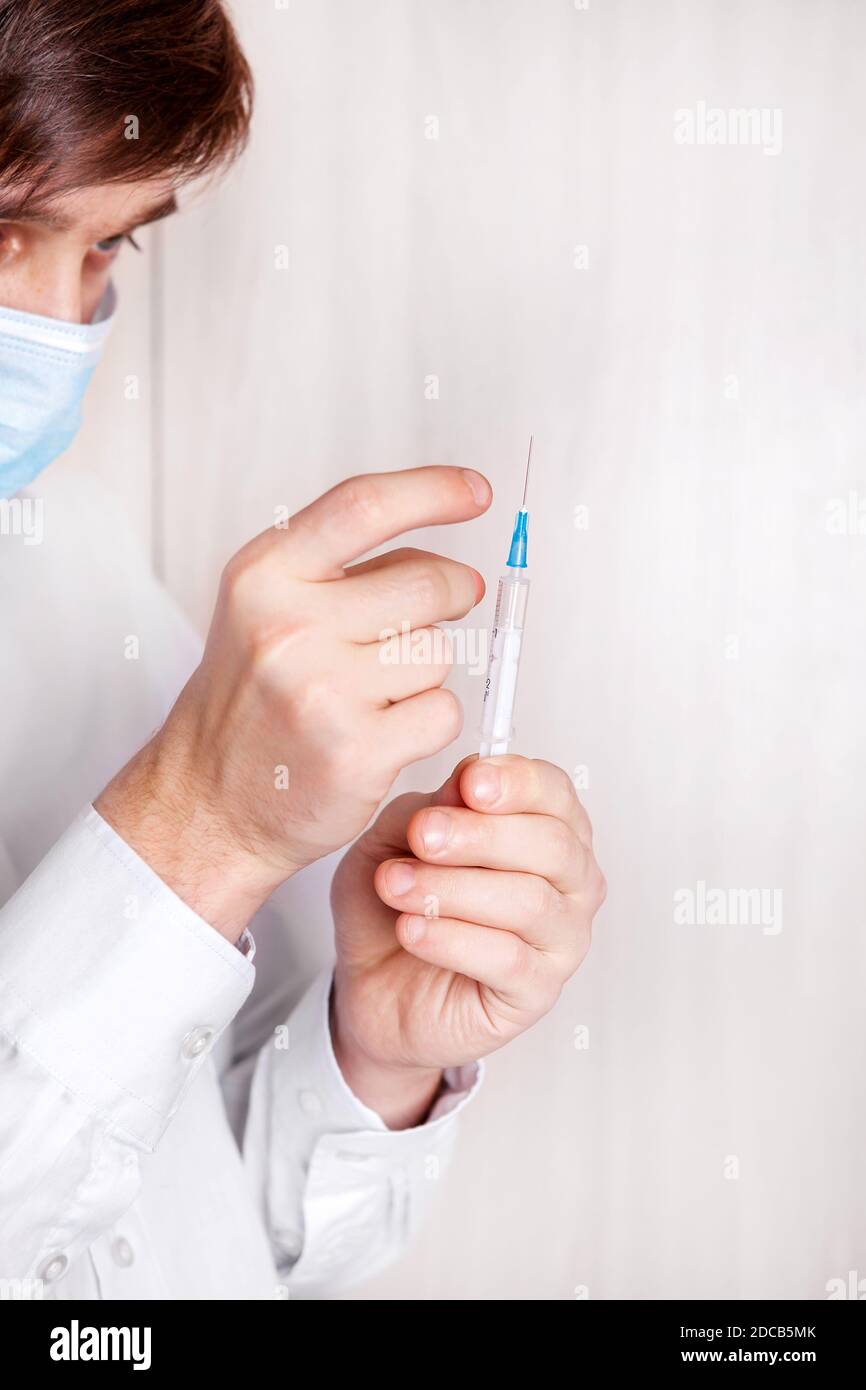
565	785
549	994
465	588
516	963
361	500
239	585
427	589
445	714
562	845
444	885
539	897
560	783
532	772
441	654
446	647
600	889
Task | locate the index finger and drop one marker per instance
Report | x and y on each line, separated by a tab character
363	512
508	783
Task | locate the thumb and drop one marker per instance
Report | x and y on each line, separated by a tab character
449	793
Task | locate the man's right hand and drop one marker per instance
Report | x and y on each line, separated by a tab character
292	729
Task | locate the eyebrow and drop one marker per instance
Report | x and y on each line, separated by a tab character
57	221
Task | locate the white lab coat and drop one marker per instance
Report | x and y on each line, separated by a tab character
141	1155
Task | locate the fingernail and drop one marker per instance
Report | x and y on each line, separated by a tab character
478	486
487	785
413	929
400	878
437	828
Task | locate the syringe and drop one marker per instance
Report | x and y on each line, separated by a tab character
503	662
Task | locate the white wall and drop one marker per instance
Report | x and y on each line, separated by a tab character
699	388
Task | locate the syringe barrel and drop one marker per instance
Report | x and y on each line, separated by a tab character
503	662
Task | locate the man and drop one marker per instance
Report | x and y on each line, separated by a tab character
147	1149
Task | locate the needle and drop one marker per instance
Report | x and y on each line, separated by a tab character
526	479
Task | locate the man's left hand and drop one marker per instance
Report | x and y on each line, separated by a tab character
459	916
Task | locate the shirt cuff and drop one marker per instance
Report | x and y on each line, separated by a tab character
328	1105
345	1193
115	986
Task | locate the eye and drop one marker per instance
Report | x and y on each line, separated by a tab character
109	244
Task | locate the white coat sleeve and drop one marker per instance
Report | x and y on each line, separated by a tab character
112	994
340	1194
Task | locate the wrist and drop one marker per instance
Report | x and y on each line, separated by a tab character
400	1093
177	835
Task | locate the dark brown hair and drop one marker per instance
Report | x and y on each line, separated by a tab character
74	72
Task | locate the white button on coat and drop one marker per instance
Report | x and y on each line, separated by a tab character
53	1268
122	1252
310	1102
197	1042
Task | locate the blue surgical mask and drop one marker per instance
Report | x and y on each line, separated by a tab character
45	367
